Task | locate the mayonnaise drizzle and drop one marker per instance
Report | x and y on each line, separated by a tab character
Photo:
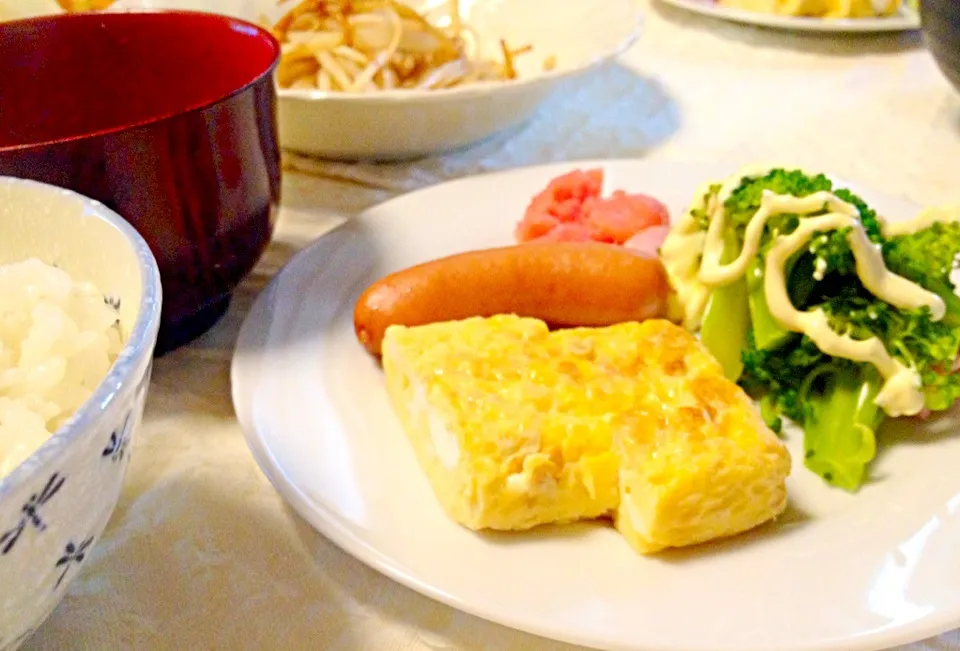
680	254
693	260
901	393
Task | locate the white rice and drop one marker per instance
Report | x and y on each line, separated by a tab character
58	339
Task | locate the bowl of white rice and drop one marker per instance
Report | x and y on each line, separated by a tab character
80	302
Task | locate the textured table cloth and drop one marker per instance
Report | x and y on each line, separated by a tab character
203	554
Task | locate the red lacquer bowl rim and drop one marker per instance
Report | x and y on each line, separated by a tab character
267	72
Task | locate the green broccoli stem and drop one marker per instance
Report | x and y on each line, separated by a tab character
770	413
841	424
767	333
726	318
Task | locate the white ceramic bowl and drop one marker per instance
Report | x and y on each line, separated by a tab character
394	125
55	505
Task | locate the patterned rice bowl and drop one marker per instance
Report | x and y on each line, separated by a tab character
56	504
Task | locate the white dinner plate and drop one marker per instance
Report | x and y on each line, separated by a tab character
906	19
838	572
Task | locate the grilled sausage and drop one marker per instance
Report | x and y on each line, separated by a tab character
565	284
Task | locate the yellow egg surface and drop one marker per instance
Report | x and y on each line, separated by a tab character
516	426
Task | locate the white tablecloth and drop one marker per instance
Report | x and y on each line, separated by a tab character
203	554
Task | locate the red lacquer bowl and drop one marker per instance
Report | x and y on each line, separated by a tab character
169	118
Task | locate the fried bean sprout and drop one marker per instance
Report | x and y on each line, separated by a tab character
367	45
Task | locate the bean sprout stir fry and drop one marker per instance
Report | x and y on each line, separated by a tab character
368	45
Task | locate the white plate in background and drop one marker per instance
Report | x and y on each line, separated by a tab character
906	19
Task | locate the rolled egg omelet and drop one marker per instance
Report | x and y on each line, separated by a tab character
497	411
516	426
697	461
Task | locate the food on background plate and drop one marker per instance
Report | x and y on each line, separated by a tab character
84	5
562	283
367	45
572	209
817	8
518	426
825	312
58	339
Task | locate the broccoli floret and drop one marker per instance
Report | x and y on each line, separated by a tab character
928	257
778	375
833	399
911	336
827	396
744	202
828	253
868	216
702	215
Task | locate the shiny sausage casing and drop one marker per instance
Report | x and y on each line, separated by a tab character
566	284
